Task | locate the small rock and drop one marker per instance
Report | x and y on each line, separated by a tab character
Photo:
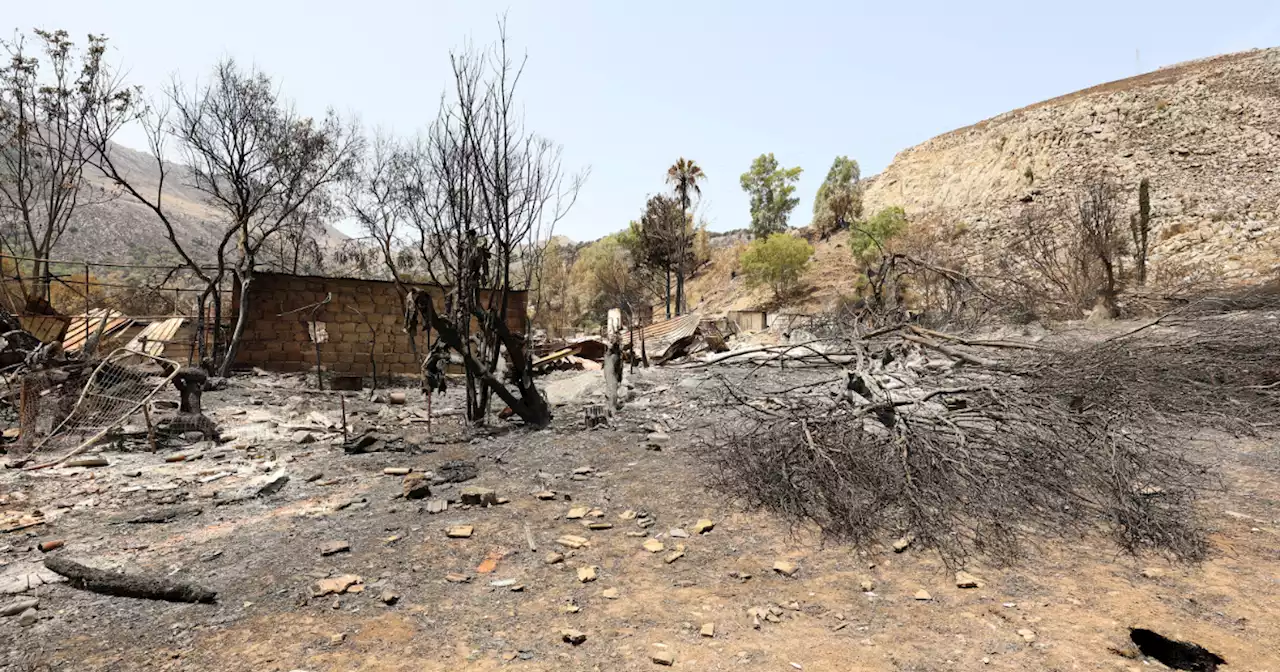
966	580
867	585
572	541
545	495
458	532
654	546
587	574
571	636
503	583
454	577
337	639
397	471
786	568
708	630
901	544
609	593
571	608
553	558
303	436
416	486
599	526
1027	635
677	533
437	505
52	545
922	595
389	598
583	471
28	617
1152	573
577	512
629	514
332	547
703	526
274	483
665	658
672	557
337	585
86	461
20	606
658	439
476	496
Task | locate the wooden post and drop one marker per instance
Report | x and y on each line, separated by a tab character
151	429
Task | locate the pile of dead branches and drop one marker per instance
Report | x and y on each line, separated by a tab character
974	447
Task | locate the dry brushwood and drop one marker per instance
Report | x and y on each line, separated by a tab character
974	457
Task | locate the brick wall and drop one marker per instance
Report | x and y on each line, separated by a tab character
278	339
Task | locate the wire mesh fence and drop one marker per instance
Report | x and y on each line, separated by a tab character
116	389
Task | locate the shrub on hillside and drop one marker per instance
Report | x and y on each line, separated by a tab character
870	237
776	261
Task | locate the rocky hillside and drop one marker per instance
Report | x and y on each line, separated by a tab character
1205	133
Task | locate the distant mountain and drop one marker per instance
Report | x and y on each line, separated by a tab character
1205	133
120	230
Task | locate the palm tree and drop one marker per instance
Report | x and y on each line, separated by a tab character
685	175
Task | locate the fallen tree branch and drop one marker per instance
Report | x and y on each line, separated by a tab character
127	585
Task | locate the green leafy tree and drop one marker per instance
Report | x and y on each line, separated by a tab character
604	275
839	199
772	191
870	238
777	261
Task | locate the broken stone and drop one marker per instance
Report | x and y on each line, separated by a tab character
415	486
397	471
545	495
337	639
458	532
595	513
19	607
28	618
708	630
437	505
337	585
922	595
658	439
1027	635
966	580
476	496
786	568
627	515
86	461
274	483
453	577
672	557
332	547
654	546
645	522
901	544
678	533
572	541
577	512
609	593
583	471
867	585
389	598
1152	573
587	574
703	526
663	658
572	636
553	558
503	583
303	436
571	608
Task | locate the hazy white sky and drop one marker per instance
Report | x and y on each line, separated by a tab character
628	87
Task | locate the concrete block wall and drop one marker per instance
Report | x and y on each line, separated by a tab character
364	324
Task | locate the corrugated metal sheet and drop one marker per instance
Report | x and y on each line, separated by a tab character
153	339
659	336
81	328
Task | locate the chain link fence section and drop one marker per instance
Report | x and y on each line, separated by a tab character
116	390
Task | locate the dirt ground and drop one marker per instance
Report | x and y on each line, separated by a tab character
1066	607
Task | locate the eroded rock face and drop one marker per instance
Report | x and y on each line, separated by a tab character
1205	133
